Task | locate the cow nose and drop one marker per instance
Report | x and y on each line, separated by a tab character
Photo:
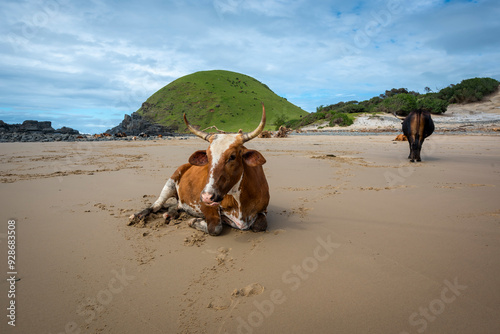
207	197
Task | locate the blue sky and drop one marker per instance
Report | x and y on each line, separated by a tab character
85	64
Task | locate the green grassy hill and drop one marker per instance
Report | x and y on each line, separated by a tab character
228	100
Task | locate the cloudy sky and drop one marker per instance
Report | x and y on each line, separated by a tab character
85	64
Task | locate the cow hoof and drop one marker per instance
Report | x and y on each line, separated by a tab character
133	219
418	160
137	217
412	160
194	222
199	224
260	224
173	212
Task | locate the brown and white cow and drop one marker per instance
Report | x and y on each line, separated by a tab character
223	184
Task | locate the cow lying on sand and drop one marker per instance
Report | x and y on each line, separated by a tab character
224	184
417	126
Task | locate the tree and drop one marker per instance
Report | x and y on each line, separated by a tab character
432	105
400	104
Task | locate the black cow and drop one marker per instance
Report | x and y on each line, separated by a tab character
417	126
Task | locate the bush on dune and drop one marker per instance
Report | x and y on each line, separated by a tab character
401	101
470	90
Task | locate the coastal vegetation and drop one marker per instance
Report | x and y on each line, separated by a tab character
401	102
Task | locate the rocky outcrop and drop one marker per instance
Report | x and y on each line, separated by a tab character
34	127
68	131
30	131
34	131
135	124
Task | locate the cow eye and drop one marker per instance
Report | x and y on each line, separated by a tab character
231	158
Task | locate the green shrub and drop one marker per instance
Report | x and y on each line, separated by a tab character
371	104
294	123
341	119
306	120
280	120
352	108
470	90
432	105
349	107
400	104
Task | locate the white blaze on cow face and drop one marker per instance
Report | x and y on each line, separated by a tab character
211	194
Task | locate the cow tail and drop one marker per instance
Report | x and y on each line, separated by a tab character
417	135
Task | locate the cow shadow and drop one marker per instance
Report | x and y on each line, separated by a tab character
283	218
426	159
279	219
430	158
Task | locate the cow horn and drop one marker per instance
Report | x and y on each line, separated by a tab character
397	116
203	135
251	135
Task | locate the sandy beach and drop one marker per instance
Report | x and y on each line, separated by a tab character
359	241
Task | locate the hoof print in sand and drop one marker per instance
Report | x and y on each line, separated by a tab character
195	239
219	304
250	290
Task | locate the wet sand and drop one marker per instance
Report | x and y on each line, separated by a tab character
360	240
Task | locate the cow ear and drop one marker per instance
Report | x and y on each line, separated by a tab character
253	158
198	158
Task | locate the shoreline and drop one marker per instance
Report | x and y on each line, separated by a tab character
460	130
362	126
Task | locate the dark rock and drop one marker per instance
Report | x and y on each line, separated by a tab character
4	127
66	130
34	131
31	126
31	131
26	138
135	124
